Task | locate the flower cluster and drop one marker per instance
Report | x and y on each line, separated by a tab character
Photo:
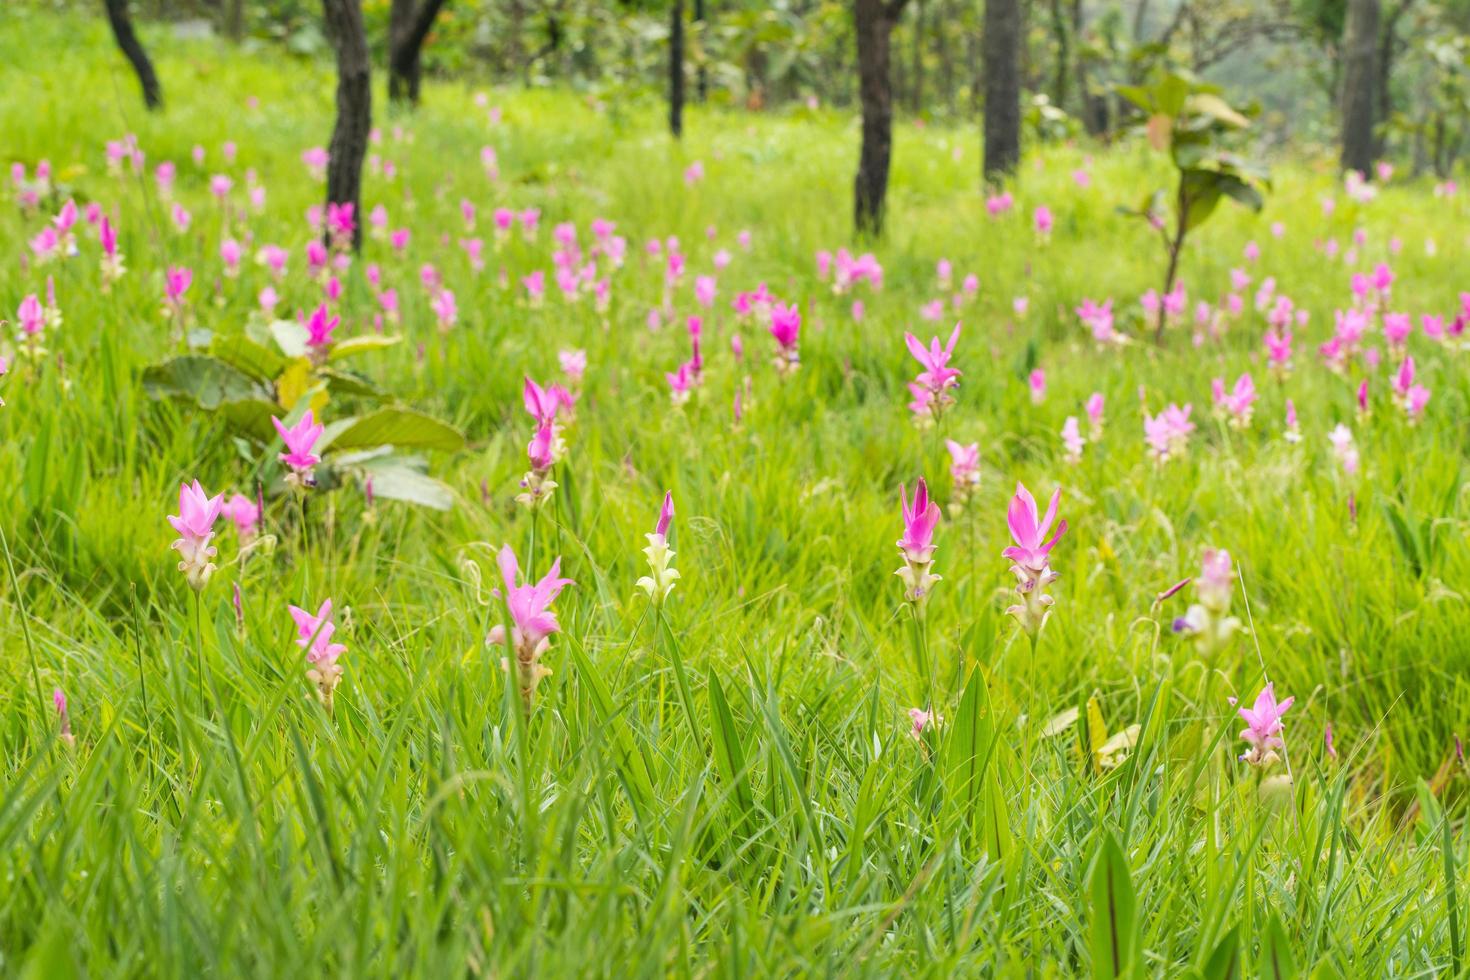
1263	728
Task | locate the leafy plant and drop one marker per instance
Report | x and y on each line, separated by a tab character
247	377
1191	122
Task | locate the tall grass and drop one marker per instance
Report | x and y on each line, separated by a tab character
211	817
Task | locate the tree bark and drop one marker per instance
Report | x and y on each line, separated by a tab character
918	64
235	19
1359	80
874	20
408	28
676	69
122	30
354	108
1002	48
701	74
1063	36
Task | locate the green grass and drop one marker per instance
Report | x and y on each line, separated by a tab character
213	818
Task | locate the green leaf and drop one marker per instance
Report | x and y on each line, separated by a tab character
1224	961
206	381
729	751
1170	94
1276	959
1216	108
401	427
397	477
251	417
971	740
290	336
1114	912
357	345
1136	94
254	359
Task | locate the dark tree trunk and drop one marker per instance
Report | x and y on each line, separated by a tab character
918	63
354	107
1359	80
874	20
235	19
676	69
1002	57
1063	36
408	28
122	30
701	74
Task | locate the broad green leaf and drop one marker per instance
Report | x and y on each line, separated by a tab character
199	378
357	345
256	360
397	477
251	417
1216	108
290	336
1114	926
400	427
971	740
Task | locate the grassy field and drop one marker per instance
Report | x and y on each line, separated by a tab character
728	783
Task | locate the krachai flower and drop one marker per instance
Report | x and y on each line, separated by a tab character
195	524
1263	728
1031	555
964	471
1208	622
532	621
660	580
299	440
920	518
314	635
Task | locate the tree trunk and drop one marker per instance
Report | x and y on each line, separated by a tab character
235	19
701	74
408	28
918	63
122	30
1002	43
676	69
354	107
874	20
1359	80
1063	36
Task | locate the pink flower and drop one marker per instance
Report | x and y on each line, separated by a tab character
541	451
244	513
1031	550
1238	402
921	720
964	465
919	521
533	621
1094	407
319	327
195	525
573	364
1263	727
937	376
1072	440
299	440
1043	221
786	329
31	316
1036	381
1278	349
314	635
176	282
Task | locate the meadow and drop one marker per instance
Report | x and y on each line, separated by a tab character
788	761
